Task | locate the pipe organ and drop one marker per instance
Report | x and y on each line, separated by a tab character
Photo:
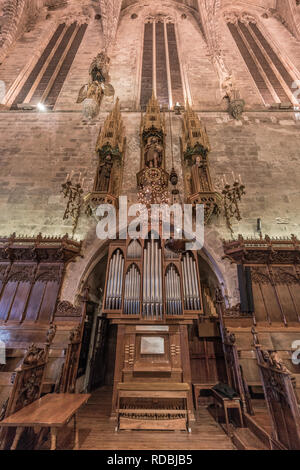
143	281
132	291
152	281
190	282
173	291
115	281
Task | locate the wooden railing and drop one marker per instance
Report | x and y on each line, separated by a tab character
234	370
68	377
278	385
23	386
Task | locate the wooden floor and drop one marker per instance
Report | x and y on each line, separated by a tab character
97	432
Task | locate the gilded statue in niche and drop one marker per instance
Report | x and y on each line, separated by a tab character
153	152
199	176
104	174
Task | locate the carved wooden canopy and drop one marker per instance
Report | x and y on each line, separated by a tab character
39	249
263	250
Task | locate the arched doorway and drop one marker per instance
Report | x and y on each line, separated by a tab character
97	360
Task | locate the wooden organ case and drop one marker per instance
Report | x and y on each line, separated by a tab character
152	294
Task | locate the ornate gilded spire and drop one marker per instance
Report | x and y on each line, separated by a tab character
194	136
153	117
195	146
112	132
110	148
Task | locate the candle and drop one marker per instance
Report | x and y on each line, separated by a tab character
71	175
82	182
67	178
240	179
79	178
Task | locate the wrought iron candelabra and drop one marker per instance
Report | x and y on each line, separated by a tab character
232	195
73	193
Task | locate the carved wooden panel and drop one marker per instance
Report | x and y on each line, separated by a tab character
147	65
207	360
29	291
266	305
287	282
16	291
276	293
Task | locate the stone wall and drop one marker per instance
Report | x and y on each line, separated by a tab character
37	150
40	149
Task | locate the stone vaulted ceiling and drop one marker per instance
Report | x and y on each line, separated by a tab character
15	14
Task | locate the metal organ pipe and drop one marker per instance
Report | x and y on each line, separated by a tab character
108	288
160	290
152	270
190	283
173	297
144	280
196	284
115	282
186	287
132	291
152	283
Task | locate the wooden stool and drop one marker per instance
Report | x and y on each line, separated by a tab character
227	404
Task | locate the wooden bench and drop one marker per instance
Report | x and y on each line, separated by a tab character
51	411
155	406
226	404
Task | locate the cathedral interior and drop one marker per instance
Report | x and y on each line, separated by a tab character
149	342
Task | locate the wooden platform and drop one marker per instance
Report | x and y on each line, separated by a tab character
97	431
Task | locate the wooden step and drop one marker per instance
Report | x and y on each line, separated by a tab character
244	439
257	430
